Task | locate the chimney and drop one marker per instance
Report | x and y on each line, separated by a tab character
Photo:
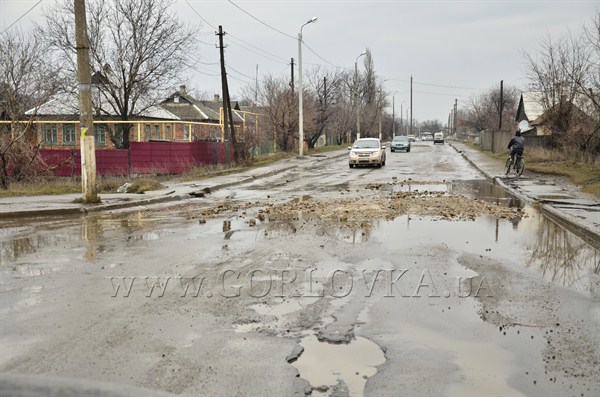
182	89
217	98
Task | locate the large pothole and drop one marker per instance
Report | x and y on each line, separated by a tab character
326	366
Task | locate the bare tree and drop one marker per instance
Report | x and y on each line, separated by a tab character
281	107
431	125
27	79
482	111
557	69
139	49
369	96
324	99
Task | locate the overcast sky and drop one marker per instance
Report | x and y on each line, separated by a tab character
453	49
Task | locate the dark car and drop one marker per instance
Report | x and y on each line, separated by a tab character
400	143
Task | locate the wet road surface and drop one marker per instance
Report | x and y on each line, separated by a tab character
212	297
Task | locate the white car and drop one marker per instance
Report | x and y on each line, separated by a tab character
367	151
438	137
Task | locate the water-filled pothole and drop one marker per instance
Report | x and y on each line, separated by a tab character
326	364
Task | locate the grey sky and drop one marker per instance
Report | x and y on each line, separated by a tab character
453	49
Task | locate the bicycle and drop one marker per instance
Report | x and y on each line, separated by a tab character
518	166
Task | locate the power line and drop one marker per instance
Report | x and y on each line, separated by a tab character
437	93
22	16
271	56
438	85
321	58
238	72
264	23
201	17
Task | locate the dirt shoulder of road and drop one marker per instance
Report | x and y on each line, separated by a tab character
584	174
139	184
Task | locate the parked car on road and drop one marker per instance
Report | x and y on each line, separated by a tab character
367	151
400	142
427	137
438	137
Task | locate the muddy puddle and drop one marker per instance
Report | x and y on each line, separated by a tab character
330	367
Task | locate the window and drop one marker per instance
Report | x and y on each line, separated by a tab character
68	134
148	137
168	132
156	131
50	134
100	135
187	131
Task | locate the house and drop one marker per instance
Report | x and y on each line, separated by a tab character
208	113
532	110
56	123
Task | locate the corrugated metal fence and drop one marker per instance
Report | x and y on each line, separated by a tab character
165	158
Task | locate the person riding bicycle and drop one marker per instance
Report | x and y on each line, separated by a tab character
518	145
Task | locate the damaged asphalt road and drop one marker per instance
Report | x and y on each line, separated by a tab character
323	281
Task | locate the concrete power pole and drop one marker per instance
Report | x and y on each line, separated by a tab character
86	122
455	116
411	106
501	105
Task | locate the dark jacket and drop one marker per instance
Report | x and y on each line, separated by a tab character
517	142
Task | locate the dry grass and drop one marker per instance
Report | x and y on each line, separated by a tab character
584	171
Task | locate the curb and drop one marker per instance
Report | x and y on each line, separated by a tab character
589	235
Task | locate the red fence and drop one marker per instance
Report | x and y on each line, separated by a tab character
141	158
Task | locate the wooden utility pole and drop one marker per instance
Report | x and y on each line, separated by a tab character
227	113
86	122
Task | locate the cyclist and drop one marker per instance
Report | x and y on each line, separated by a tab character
517	143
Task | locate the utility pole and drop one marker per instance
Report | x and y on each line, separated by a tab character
454	118
325	109
356	100
411	105
86	122
256	89
401	122
227	114
292	81
501	105
394	117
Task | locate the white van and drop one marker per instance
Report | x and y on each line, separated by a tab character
438	137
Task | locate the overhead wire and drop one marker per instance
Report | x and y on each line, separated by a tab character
260	21
21	17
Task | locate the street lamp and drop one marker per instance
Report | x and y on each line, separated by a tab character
356	94
381	104
300	104
394	114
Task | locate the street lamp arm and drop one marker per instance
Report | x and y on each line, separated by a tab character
313	19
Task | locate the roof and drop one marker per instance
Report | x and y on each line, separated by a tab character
67	104
187	107
532	104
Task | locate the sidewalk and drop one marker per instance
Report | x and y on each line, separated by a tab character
559	198
31	206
